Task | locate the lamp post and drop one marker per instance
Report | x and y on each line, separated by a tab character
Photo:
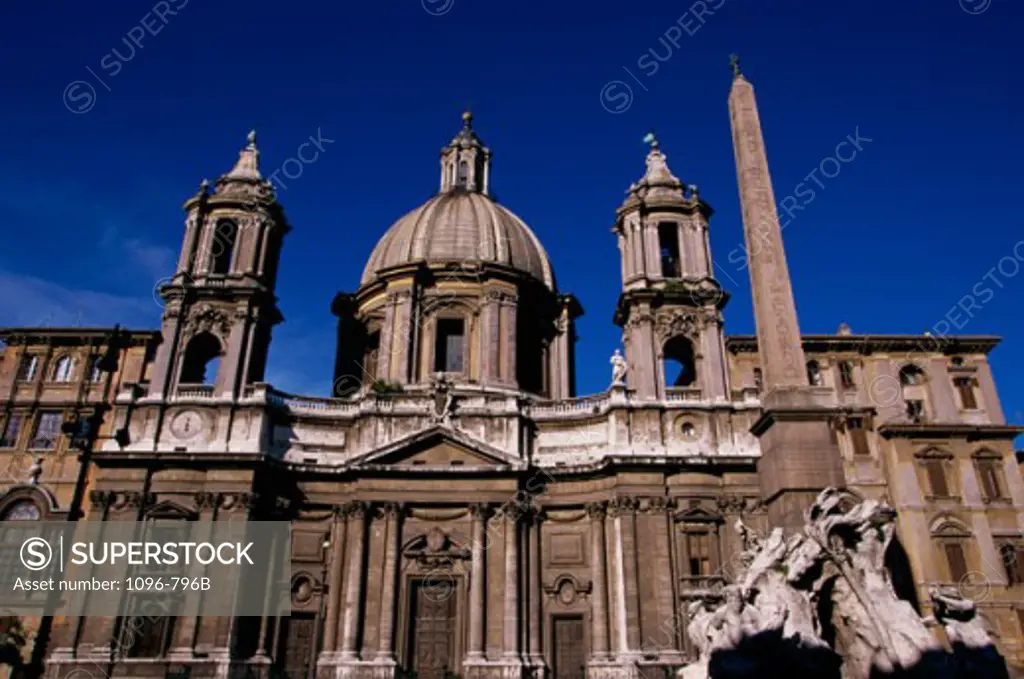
83	435
314	647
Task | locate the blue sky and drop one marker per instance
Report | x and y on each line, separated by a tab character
90	201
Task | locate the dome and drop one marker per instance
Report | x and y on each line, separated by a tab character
461	226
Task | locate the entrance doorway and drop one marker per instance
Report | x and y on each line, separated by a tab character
568	648
432	629
296	643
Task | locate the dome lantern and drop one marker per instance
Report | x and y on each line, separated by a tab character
466	161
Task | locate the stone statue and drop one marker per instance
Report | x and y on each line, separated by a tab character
959	617
829	582
35	472
619	369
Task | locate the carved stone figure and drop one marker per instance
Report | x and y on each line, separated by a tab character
619	368
829	581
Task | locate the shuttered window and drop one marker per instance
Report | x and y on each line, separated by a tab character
956	561
937	478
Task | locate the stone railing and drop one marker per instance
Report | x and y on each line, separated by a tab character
683	394
195	391
311	404
571	406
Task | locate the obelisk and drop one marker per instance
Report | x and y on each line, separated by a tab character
799	453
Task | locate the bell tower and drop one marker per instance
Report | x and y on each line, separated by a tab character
670	309
220	304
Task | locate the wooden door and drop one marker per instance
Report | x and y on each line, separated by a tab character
295	645
568	649
433	629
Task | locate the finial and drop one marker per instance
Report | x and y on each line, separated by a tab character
252	138
204	186
649	138
467	118
734	62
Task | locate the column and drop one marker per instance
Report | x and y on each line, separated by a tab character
476	583
511	641
393	541
334	585
536	650
598	611
353	578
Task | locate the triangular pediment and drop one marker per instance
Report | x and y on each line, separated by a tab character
171	511
435	449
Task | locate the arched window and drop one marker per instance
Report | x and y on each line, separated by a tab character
27	367
911	375
668	245
202	359
679	364
63	368
912	379
758	379
222	249
846	375
23	510
95	371
463	180
450	345
814	374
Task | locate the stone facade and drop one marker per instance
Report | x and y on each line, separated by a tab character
456	509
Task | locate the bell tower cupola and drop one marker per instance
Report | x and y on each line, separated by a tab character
670	306
220	306
466	161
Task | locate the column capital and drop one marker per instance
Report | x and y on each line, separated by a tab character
597	510
357	509
480	510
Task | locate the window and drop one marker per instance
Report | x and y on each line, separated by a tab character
449	347
937	478
63	369
911	375
846	375
95	371
202	360
758	380
679	365
915	410
22	510
965	387
47	431
956	561
859	437
814	374
222	249
698	554
370	357
27	368
668	244
463	179
147	634
1013	563
989	477
11	429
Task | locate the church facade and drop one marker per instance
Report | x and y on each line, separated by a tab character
457	509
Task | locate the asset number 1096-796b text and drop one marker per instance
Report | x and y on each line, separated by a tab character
168	584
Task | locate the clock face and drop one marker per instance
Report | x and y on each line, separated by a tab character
187	424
